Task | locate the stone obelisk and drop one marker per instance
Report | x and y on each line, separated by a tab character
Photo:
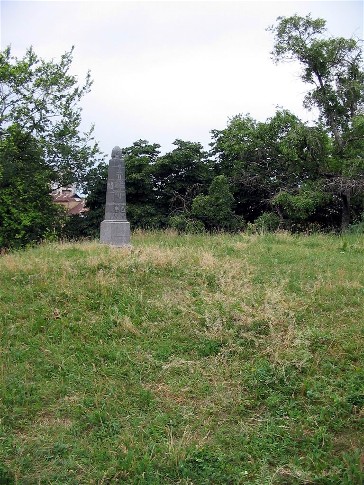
115	229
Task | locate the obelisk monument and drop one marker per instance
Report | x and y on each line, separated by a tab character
115	229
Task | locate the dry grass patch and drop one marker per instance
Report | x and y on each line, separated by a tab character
53	422
160	257
123	324
207	261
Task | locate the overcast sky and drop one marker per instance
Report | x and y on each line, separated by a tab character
171	69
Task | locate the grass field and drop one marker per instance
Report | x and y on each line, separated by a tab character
184	360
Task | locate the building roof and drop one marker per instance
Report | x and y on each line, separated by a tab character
78	209
72	202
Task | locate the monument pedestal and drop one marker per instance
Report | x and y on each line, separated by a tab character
115	233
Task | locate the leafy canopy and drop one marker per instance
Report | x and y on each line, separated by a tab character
42	98
332	65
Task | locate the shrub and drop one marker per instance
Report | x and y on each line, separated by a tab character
357	228
215	210
183	224
267	222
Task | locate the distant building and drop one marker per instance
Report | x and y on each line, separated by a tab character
69	199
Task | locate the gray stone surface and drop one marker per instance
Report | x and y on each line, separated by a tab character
115	233
115	229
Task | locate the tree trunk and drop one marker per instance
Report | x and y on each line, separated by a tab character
345	214
329	114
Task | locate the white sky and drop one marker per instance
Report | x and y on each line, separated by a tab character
171	69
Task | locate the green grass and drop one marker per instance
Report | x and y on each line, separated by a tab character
184	360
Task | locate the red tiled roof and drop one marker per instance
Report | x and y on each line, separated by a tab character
78	209
73	204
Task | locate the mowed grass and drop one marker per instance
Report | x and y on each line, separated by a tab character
225	359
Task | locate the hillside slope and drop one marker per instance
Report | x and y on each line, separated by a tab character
185	359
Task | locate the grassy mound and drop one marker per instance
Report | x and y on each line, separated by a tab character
183	360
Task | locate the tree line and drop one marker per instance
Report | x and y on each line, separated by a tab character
280	173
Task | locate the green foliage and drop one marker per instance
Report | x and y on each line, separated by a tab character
27	213
301	205
215	210
41	143
145	215
267	222
142	204
194	226
139	161
353	149
157	187
95	188
179	176
79	226
263	158
42	97
312	176
178	222
183	223
358	227
332	65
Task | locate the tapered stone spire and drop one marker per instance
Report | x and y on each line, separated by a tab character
115	229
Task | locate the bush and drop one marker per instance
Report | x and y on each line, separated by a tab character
215	210
357	228
267	222
183	224
194	227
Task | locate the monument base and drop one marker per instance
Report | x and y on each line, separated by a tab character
115	233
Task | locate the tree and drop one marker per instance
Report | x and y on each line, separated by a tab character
142	205
238	154
180	175
262	158
42	98
334	69
306	206
332	65
215	210
27	213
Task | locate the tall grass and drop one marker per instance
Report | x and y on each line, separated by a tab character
184	360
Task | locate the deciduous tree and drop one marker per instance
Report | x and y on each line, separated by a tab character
333	67
261	159
27	212
180	175
142	203
43	99
216	210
